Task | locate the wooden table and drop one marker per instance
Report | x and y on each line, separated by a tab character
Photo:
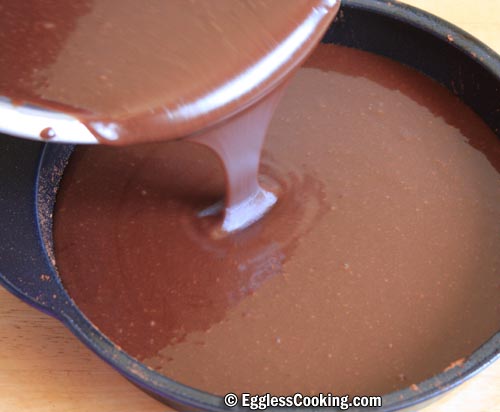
43	368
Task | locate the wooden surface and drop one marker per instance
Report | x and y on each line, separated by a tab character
43	368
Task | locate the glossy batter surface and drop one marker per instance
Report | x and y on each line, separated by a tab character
377	267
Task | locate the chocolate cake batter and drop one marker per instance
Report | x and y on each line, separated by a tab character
377	267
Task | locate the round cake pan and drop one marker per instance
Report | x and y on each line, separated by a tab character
30	173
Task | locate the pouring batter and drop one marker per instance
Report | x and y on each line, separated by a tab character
163	70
